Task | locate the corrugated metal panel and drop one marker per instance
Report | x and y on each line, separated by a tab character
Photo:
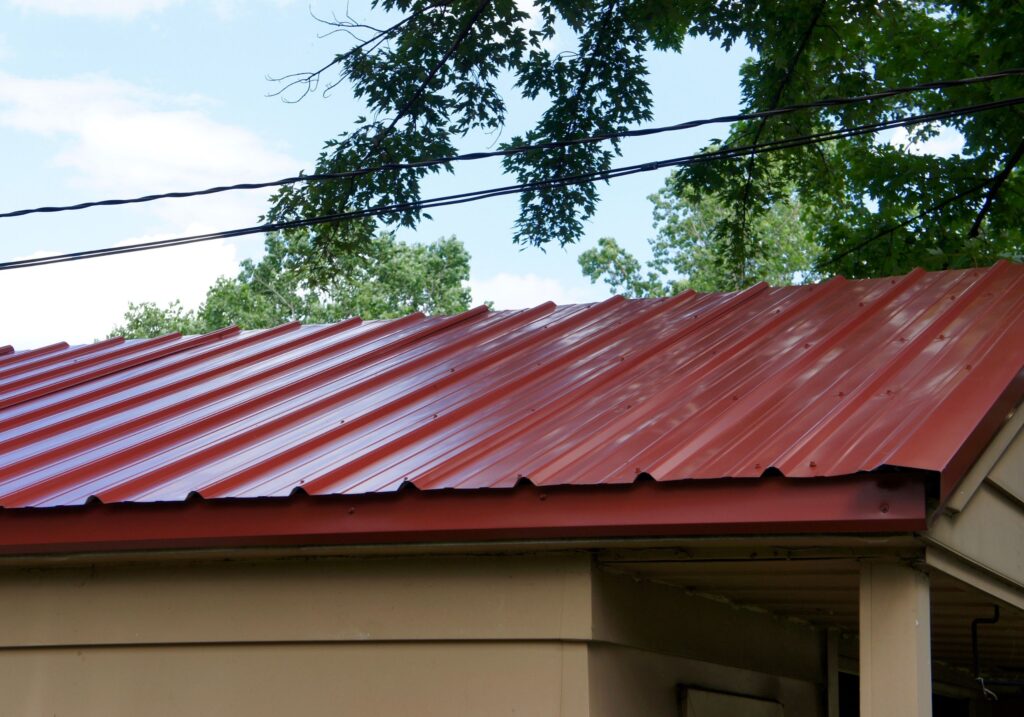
824	380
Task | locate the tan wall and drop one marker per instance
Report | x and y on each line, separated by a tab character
524	635
666	619
301	600
444	636
427	679
983	522
650	637
626	682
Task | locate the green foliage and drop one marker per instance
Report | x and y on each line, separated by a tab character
688	253
444	69
388	279
146	320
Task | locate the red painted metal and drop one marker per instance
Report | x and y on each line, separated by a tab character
914	372
9	358
860	504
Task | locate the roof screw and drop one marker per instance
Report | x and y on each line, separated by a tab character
757	466
812	464
543	496
841	394
807	346
735	398
884	507
941	337
968	367
888	392
351	511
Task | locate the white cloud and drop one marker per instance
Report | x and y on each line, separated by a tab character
520	291
127	138
944	144
81	301
117	139
125	9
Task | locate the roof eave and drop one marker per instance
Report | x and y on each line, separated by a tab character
864	503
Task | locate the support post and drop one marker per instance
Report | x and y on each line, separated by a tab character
895	642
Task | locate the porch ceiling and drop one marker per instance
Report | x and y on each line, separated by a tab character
824	592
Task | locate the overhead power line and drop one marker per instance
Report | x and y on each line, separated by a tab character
941	204
725	153
521	149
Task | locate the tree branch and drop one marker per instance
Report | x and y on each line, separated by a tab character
787	77
422	88
997	182
833	260
311	80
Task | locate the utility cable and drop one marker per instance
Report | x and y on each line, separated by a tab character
951	199
717	155
521	149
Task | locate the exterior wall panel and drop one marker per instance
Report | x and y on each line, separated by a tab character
515	635
984	526
282	601
626	682
426	679
668	620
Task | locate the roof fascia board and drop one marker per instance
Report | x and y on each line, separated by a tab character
967	571
981	439
865	503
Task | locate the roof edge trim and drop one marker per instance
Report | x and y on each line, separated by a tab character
863	503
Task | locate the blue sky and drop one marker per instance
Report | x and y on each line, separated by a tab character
102	98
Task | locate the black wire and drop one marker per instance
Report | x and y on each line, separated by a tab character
951	199
520	149
451	199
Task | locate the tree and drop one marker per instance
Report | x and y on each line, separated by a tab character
437	73
689	254
387	279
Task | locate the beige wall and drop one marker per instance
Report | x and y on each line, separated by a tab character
510	635
979	536
427	679
666	619
299	600
626	682
649	637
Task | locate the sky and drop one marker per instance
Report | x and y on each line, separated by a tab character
111	98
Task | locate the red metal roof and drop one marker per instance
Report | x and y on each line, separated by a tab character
914	372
